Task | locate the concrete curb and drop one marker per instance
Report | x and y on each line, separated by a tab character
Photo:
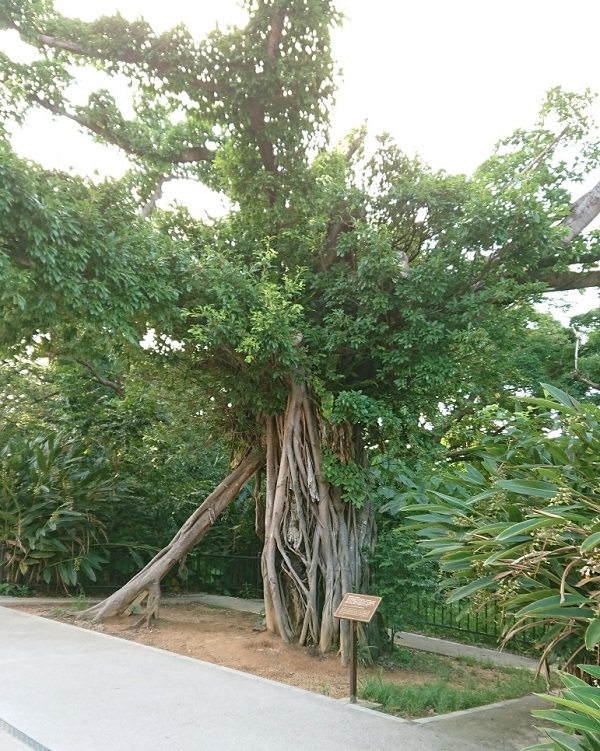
456	649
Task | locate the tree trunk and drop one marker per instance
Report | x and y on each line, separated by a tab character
145	586
315	543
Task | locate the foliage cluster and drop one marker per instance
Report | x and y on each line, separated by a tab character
147	461
576	713
55	506
517	521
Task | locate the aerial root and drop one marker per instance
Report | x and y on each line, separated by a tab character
152	597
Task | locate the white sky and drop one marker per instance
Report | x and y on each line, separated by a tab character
447	78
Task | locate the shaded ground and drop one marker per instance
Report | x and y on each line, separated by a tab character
238	640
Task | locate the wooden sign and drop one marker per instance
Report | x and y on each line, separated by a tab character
355	607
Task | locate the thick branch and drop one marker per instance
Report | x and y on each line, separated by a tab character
582	213
275	31
561	281
577	376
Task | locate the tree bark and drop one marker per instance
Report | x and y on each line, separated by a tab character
315	543
144	587
583	212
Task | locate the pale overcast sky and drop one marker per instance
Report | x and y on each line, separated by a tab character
447	78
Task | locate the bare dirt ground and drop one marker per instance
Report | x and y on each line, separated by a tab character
238	640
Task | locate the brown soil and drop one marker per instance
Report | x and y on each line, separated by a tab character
236	640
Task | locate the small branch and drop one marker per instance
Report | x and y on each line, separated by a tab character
544	153
189	155
116	386
577	343
154	198
577	376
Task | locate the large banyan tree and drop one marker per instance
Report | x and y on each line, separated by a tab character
346	293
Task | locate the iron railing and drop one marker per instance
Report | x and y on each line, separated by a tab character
485	622
235	575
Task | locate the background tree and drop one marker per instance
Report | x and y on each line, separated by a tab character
343	297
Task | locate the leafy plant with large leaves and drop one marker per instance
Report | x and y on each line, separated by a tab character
577	714
55	504
518	521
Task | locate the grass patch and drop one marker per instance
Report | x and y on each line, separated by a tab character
450	685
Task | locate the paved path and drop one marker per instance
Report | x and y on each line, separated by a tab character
63	688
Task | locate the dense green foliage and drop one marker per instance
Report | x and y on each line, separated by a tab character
389	286
400	575
517	521
55	504
160	461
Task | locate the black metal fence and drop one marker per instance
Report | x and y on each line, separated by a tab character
240	576
485	623
235	575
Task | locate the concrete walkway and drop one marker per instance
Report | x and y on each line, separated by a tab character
63	688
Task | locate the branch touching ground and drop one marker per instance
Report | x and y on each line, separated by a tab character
145	586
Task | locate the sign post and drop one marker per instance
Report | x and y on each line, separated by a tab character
356	608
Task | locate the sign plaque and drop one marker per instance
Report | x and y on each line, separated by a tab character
357	607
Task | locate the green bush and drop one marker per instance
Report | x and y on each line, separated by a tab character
400	573
55	499
518	523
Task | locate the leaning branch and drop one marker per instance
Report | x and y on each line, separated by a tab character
189	155
116	386
154	198
562	281
577	376
582	213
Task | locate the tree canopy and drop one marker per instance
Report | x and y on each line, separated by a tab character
348	292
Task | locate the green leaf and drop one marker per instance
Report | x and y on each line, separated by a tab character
526	526
552	606
592	634
593	670
563	741
574	720
471	588
561	396
536	488
590	542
